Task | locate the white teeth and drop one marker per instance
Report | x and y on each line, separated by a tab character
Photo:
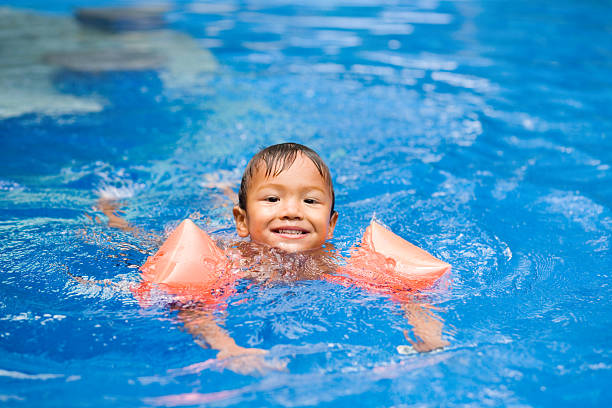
295	232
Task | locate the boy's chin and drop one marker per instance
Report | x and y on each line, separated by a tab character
292	246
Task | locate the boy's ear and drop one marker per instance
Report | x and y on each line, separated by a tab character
332	224
240	219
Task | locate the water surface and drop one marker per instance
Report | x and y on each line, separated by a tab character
479	130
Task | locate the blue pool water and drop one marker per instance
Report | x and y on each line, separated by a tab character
479	130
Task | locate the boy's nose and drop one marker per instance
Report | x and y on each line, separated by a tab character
291	210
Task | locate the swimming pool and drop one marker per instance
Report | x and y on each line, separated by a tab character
479	130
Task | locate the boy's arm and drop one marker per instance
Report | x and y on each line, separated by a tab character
202	325
426	327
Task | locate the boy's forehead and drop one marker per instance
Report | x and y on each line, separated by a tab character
301	164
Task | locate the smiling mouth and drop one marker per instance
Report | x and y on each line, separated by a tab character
290	231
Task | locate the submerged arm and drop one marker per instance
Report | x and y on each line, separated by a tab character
426	327
201	324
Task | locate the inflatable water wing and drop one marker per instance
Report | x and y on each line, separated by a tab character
384	260
411	262
189	263
188	256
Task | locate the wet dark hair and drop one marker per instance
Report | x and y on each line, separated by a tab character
278	158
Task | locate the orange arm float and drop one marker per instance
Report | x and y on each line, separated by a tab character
189	264
386	261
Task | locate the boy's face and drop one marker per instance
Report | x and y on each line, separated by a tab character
290	211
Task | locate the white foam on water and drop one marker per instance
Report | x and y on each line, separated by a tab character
23	376
424	61
463	81
417	17
575	207
109	192
7	185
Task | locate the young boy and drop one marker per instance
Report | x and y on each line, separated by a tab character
286	208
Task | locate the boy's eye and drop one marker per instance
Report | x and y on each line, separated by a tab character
272	199
310	201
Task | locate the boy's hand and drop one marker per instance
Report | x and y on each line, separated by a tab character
431	343
243	360
112	209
